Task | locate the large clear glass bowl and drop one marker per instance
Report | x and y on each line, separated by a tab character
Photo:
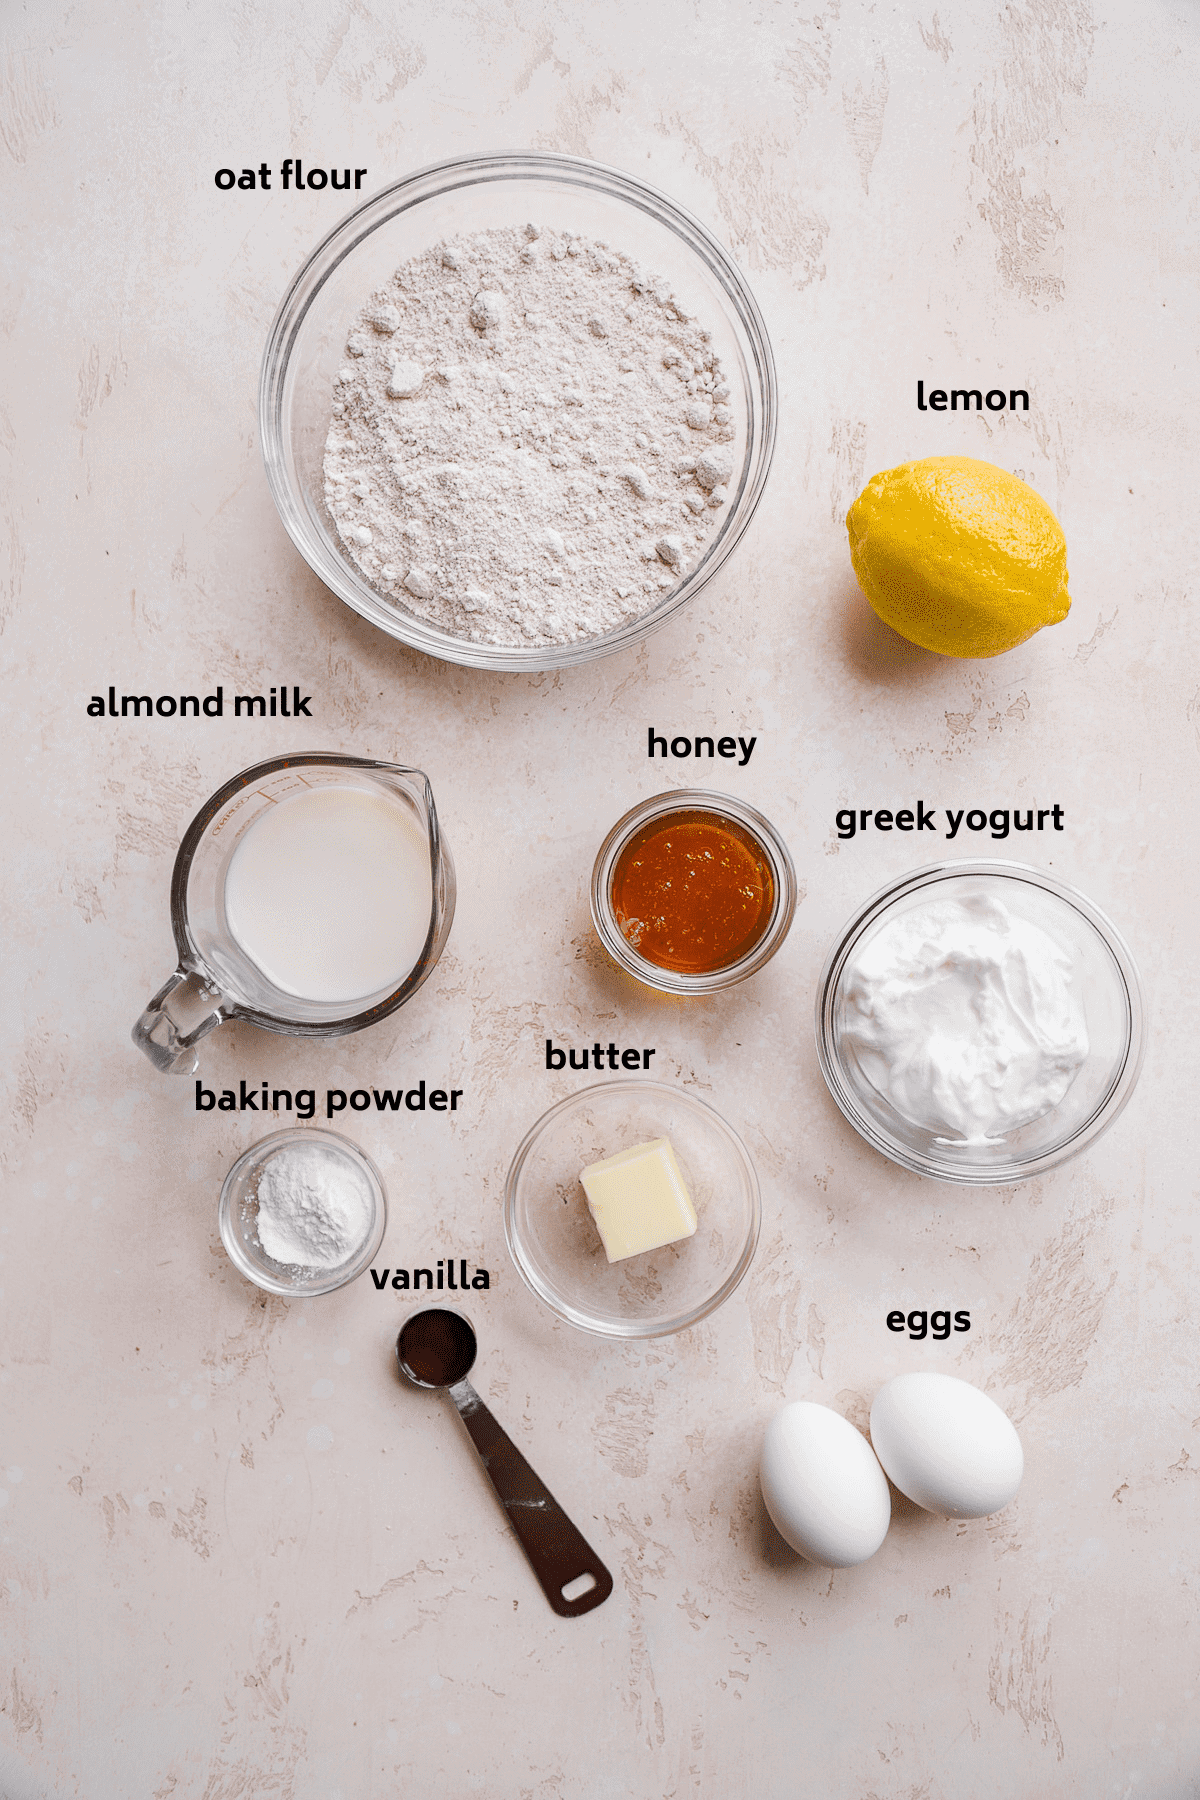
554	1242
306	348
1104	981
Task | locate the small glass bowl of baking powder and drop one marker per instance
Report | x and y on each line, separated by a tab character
1101	988
302	1212
307	348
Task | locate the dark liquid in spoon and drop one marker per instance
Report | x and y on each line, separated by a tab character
437	1348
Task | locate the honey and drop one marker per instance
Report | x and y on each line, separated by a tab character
693	891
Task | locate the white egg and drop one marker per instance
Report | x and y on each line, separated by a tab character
946	1445
823	1487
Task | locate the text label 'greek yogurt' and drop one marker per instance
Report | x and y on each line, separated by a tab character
728	747
275	705
293	175
1000	821
411	1278
928	1324
996	399
596	1057
254	1098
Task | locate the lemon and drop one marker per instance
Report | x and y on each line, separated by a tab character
958	555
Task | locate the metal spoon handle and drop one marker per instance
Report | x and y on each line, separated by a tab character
558	1554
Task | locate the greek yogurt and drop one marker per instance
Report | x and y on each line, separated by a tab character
964	1018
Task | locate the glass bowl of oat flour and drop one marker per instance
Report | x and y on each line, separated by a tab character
517	410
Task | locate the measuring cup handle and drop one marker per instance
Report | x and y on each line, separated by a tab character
558	1554
180	1014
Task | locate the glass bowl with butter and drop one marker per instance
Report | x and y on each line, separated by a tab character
660	1163
980	1022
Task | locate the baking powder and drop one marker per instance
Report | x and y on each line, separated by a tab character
315	1207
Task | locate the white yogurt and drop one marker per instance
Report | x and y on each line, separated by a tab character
330	893
963	1016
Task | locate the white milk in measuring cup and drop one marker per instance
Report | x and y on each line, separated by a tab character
312	895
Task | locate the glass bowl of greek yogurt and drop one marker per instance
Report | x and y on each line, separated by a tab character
517	410
302	1212
980	1022
557	1248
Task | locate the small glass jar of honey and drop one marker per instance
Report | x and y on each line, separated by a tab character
692	891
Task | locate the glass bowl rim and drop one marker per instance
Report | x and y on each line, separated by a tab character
672	981
632	1331
233	1247
1120	1089
400	196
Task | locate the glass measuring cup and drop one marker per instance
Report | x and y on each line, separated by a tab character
216	980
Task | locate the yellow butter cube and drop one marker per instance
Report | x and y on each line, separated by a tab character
639	1200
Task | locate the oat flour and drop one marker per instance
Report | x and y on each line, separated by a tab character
530	439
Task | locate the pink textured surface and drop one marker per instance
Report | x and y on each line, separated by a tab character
236	1558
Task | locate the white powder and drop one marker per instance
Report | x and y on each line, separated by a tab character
315	1207
530	439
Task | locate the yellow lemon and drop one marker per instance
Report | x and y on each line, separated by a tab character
958	555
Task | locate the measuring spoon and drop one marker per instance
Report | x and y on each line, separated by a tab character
436	1349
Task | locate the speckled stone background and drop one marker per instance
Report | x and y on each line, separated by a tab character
236	1558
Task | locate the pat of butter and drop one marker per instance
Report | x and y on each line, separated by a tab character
638	1200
